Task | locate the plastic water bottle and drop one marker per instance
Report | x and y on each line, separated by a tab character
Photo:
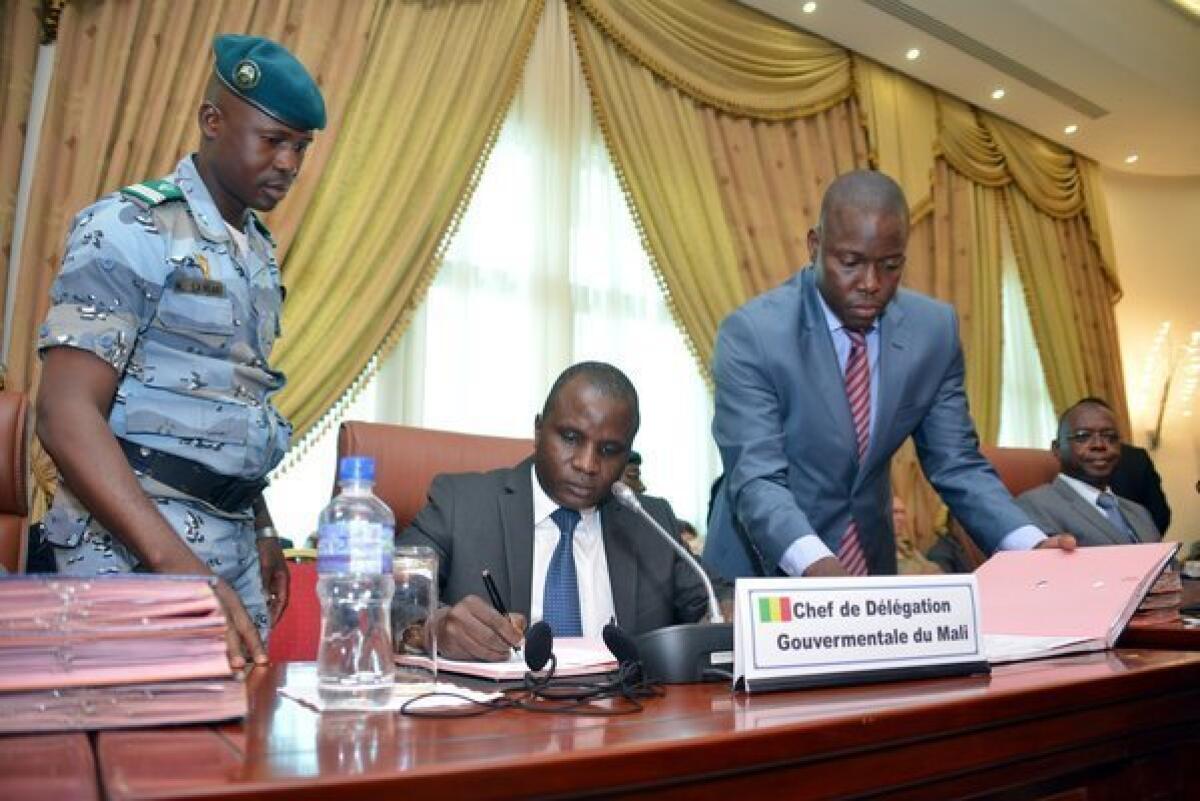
355	586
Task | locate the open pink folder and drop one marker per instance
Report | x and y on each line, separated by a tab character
1048	602
112	651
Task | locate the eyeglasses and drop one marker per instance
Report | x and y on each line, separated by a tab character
1084	436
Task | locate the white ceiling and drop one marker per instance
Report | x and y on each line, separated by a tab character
1139	60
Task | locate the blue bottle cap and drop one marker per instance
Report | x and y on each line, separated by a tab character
356	468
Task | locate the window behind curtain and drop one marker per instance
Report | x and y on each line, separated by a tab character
546	269
1026	413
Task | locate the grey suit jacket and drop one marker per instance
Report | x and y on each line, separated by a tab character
485	520
1058	507
783	426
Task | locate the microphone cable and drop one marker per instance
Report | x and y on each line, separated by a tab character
621	693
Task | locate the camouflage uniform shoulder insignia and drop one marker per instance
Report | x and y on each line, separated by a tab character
153	193
262	228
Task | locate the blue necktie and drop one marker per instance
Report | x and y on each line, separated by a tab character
560	602
1108	504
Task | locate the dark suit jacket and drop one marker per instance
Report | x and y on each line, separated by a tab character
1136	479
1058	507
485	520
787	440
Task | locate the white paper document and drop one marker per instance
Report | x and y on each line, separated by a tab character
576	656
1000	648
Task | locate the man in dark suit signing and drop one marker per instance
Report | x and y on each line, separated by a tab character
1080	498
560	548
819	381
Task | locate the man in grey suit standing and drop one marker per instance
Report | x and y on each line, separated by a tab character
559	546
1080	498
819	381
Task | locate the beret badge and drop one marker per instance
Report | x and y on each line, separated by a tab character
246	74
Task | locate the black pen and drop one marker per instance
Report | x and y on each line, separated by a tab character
493	592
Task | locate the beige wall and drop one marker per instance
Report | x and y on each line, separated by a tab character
1156	234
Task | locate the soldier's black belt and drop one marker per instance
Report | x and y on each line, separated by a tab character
227	493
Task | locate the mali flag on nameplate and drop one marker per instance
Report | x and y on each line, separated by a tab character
777	609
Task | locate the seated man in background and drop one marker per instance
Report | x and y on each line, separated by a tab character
954	552
909	558
691	538
559	546
1080	499
633	472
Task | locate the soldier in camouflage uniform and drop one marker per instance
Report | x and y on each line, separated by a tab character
155	399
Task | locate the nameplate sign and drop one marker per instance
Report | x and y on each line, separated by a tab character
799	632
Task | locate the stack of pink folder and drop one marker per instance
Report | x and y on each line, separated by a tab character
132	650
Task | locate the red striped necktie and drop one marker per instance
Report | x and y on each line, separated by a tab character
858	392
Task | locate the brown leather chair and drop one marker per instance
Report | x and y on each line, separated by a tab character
1022	469
14	479
407	459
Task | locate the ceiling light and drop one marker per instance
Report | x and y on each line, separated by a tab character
913	54
997	94
1188	7
809	7
1070	129
1131	158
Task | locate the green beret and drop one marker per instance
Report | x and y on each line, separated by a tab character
268	77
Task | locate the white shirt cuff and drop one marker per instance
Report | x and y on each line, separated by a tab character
802	553
1022	539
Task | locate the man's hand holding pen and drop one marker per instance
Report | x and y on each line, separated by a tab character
476	629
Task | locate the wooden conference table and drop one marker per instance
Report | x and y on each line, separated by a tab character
1120	724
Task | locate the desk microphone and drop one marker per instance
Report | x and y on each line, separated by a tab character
690	652
629	500
540	659
539	646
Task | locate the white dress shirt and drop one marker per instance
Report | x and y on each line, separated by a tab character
1085	490
808	549
591	565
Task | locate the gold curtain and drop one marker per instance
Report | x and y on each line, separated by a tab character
656	138
1060	234
771	177
900	116
1092	287
967	274
1045	171
967	145
1070	307
1099	228
954	255
684	91
121	108
18	60
430	99
995	152
727	56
